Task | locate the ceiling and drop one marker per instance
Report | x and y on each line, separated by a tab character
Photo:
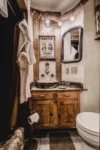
52	5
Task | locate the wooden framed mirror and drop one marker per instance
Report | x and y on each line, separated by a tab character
72	45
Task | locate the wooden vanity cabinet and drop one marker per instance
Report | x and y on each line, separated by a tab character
56	109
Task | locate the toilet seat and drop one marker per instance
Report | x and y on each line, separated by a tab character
89	122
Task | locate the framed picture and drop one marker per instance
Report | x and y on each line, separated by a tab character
47	47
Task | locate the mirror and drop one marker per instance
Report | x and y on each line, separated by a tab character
72	45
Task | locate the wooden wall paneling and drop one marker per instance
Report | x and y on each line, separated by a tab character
55	30
36	32
58	51
15	79
40	29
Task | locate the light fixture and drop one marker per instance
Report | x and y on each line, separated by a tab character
47	23
72	18
59	23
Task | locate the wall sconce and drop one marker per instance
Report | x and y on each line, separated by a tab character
72	18
47	23
60	23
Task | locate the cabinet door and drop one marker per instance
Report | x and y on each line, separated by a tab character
47	113
67	112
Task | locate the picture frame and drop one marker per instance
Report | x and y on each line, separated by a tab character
47	47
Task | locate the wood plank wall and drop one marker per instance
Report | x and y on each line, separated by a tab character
40	29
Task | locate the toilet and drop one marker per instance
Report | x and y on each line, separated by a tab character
88	127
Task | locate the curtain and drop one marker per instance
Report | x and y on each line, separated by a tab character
6	69
6	52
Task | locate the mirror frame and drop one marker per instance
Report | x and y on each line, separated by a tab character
80	45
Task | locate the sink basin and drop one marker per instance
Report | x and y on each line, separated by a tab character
46	85
54	84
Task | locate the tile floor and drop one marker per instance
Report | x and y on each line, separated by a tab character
44	142
76	140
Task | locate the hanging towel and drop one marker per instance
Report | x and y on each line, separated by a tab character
23	63
25	58
25	42
4	8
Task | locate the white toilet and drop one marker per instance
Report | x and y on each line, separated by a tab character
88	127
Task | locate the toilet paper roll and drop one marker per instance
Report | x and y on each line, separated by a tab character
33	118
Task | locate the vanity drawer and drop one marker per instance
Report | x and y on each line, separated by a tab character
42	95
71	94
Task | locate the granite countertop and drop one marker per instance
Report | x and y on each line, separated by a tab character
57	89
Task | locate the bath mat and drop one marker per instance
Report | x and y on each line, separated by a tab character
61	141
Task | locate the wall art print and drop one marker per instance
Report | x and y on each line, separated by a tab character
47	47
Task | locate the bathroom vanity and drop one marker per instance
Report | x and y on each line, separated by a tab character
57	108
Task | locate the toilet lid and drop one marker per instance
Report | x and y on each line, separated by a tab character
89	121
